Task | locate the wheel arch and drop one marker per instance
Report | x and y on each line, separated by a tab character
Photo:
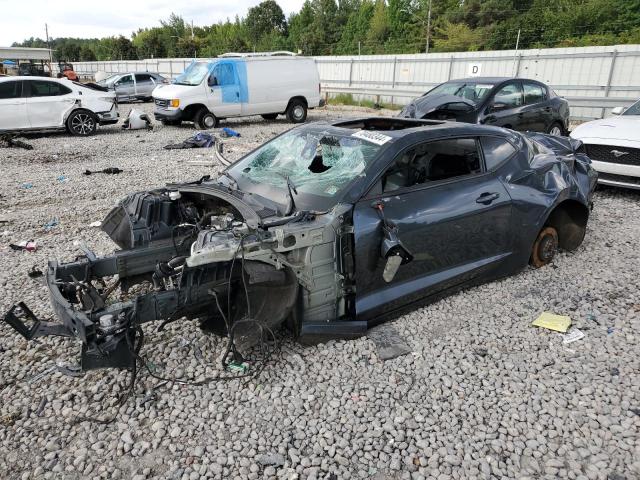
569	218
190	111
302	98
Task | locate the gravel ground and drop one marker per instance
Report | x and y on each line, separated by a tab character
482	395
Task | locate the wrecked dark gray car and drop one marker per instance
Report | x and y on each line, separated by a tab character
516	103
328	229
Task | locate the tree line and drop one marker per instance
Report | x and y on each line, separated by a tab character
348	27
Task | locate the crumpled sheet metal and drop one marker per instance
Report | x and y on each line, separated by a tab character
424	105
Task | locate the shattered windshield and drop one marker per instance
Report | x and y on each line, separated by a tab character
320	164
633	109
476	92
193	75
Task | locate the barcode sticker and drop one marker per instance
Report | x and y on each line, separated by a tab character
373	137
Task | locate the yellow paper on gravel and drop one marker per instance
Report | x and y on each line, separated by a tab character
558	323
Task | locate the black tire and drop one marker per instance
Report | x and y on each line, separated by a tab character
82	123
556	129
544	248
297	111
269	116
205	120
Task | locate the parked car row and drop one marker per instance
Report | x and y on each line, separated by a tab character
242	85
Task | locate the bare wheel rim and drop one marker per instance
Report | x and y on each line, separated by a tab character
298	112
82	123
555	130
208	121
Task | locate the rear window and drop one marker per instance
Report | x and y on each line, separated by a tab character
10	89
533	93
496	150
40	88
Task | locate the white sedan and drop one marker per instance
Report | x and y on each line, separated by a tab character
614	146
42	103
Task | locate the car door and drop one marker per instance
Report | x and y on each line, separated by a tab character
452	217
224	90
125	88
504	108
48	103
536	110
13	106
144	85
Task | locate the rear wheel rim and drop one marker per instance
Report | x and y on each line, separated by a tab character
548	248
82	123
298	112
556	131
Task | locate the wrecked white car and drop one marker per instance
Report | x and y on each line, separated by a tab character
328	228
33	103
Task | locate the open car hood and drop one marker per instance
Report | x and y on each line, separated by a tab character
424	105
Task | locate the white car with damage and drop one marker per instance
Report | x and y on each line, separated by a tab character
613	144
42	103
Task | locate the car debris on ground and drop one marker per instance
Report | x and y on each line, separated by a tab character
137	120
199	140
107	171
10	141
551	321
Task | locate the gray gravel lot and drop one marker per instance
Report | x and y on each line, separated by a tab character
483	394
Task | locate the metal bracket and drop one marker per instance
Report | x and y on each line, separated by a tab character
38	328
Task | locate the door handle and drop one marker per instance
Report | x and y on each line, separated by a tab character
490	119
486	198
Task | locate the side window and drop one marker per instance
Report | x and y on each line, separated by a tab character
143	78
10	90
533	93
40	88
496	150
223	73
509	96
431	162
125	81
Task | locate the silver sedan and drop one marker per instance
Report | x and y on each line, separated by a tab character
133	85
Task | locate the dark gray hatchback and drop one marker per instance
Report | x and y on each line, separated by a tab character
515	103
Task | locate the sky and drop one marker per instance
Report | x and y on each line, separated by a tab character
22	19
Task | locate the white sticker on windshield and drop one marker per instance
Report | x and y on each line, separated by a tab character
373	137
480	86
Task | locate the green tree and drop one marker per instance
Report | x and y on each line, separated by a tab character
264	19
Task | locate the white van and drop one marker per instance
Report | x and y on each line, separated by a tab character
235	85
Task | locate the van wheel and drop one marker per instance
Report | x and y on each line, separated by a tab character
205	120
297	111
544	248
269	116
82	123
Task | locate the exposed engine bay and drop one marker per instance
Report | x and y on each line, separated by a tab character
197	250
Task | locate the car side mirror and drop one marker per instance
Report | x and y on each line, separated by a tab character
498	107
618	111
392	249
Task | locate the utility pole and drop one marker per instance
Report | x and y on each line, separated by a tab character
195	53
46	31
428	27
515	56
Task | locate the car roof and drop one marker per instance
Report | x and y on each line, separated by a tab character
491	79
31	77
397	128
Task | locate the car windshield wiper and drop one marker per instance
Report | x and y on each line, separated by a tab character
291	189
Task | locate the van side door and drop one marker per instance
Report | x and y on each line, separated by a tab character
224	90
13	106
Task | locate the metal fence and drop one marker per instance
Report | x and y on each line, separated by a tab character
593	79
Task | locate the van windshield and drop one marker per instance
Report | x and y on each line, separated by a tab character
193	75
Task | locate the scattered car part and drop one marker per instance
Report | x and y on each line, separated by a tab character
137	120
26	245
108	171
323	229
199	140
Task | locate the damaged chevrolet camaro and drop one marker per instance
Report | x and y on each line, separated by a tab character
328	229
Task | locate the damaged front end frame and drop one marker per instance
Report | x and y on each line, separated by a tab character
190	252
